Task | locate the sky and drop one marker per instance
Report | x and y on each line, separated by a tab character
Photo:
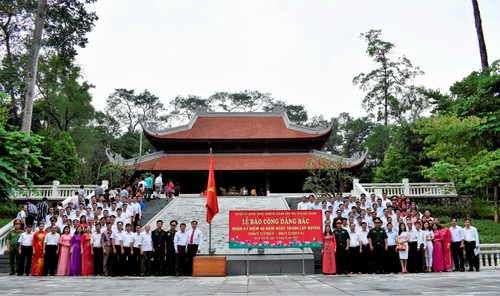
302	52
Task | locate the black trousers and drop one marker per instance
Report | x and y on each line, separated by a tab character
136	261
412	256
118	261
354	262
50	260
25	260
171	262
192	250
341	257
365	259
98	264
393	264
378	256
472	259
159	261
458	255
127	261
180	260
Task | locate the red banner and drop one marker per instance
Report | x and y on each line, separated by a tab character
275	229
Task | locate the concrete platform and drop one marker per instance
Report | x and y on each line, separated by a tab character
448	283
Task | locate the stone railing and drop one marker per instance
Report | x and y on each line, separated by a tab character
56	191
489	258
405	187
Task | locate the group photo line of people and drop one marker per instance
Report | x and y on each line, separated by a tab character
390	235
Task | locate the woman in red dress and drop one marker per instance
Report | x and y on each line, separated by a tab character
446	246
87	258
329	250
38	239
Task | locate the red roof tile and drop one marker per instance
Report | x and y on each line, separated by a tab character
229	127
229	162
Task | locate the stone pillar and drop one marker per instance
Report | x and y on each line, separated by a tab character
268	187
406	186
55	190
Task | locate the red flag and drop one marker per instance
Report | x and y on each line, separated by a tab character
212	204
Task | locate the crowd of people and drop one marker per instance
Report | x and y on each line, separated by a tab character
101	236
390	235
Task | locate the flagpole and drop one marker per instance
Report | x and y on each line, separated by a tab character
210	226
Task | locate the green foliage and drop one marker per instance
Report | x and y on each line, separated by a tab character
116	174
387	86
128	145
326	176
19	153
8	211
185	107
63	163
296	113
243	101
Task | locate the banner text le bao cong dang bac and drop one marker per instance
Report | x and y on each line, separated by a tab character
275	229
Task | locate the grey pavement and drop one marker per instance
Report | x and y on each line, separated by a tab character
486	282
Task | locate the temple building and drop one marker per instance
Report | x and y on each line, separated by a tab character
253	150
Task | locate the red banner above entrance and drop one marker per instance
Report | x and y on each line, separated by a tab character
275	229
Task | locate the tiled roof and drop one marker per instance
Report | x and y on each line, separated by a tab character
233	162
209	127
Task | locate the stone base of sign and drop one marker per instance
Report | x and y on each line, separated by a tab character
270	264
209	266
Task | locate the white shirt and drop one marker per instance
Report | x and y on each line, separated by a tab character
127	238
52	239
21	215
420	237
117	236
95	240
353	239
412	235
197	238
146	241
303	206
457	234
471	235
159	180
180	239
391	238
26	239
137	239
363	237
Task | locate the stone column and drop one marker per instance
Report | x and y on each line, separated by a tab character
55	190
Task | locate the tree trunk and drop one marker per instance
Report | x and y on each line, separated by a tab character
33	65
495	203
480	36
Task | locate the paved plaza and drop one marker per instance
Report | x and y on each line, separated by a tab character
450	283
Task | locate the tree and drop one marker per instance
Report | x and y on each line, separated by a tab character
388	86
129	108
326	176
63	163
296	113
19	153
480	36
186	107
243	101
66	102
459	155
65	23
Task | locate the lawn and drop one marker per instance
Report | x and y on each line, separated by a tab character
489	231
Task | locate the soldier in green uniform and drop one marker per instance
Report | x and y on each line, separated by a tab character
170	248
342	238
377	237
159	238
12	245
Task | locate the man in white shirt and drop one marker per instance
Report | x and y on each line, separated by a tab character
412	247
194	245
118	251
393	264
420	246
316	205
158	184
136	246
303	205
146	246
457	245
365	258
181	240
97	250
26	251
51	250
471	243
127	243
354	250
